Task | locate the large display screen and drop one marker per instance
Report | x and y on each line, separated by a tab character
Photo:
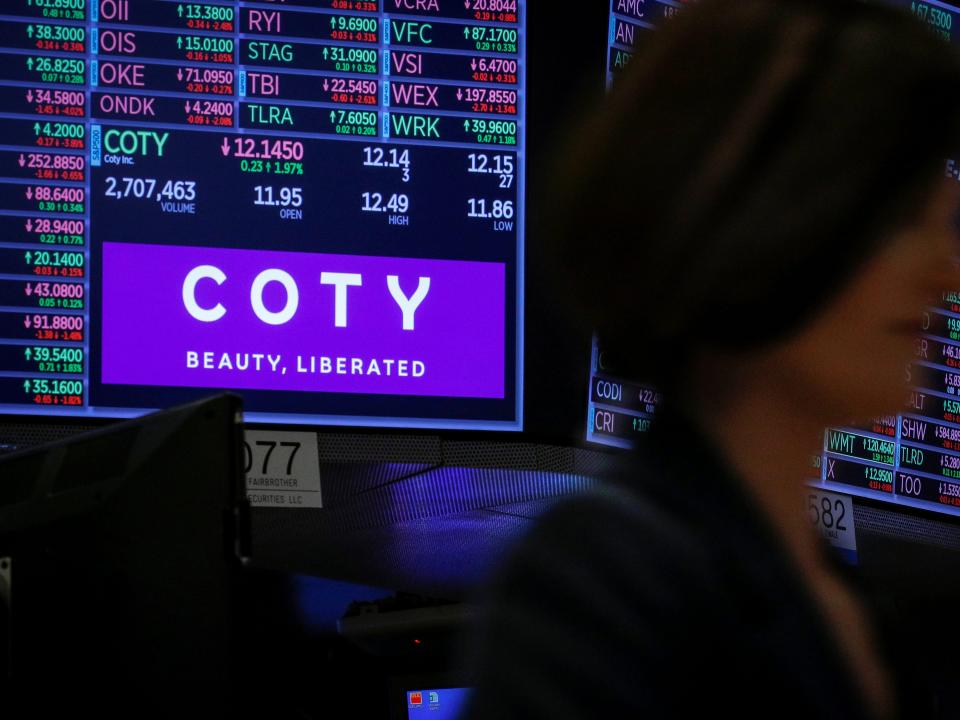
912	458
317	203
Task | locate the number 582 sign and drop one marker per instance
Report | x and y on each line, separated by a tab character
282	469
832	515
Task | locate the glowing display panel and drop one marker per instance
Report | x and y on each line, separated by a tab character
442	704
317	203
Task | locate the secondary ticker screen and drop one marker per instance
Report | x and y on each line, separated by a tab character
316	203
619	410
629	21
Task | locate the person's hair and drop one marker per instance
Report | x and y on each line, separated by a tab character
750	158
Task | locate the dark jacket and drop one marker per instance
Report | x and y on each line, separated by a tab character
665	594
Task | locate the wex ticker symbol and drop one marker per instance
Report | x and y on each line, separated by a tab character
340	281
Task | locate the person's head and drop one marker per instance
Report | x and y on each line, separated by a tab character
764	191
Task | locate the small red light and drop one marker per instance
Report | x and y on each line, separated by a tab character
416	641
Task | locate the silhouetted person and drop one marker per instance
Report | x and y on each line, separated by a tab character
754	222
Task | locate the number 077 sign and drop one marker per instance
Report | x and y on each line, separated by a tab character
282	469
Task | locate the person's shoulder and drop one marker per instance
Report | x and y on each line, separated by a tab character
615	537
614	514
595	608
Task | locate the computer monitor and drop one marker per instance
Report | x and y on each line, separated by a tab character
318	204
437	704
437	694
119	551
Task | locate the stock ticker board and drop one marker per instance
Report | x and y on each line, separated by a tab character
620	411
912	458
629	21
316	203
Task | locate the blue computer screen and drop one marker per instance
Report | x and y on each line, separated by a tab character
441	704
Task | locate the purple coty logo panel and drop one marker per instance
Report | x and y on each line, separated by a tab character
267	320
